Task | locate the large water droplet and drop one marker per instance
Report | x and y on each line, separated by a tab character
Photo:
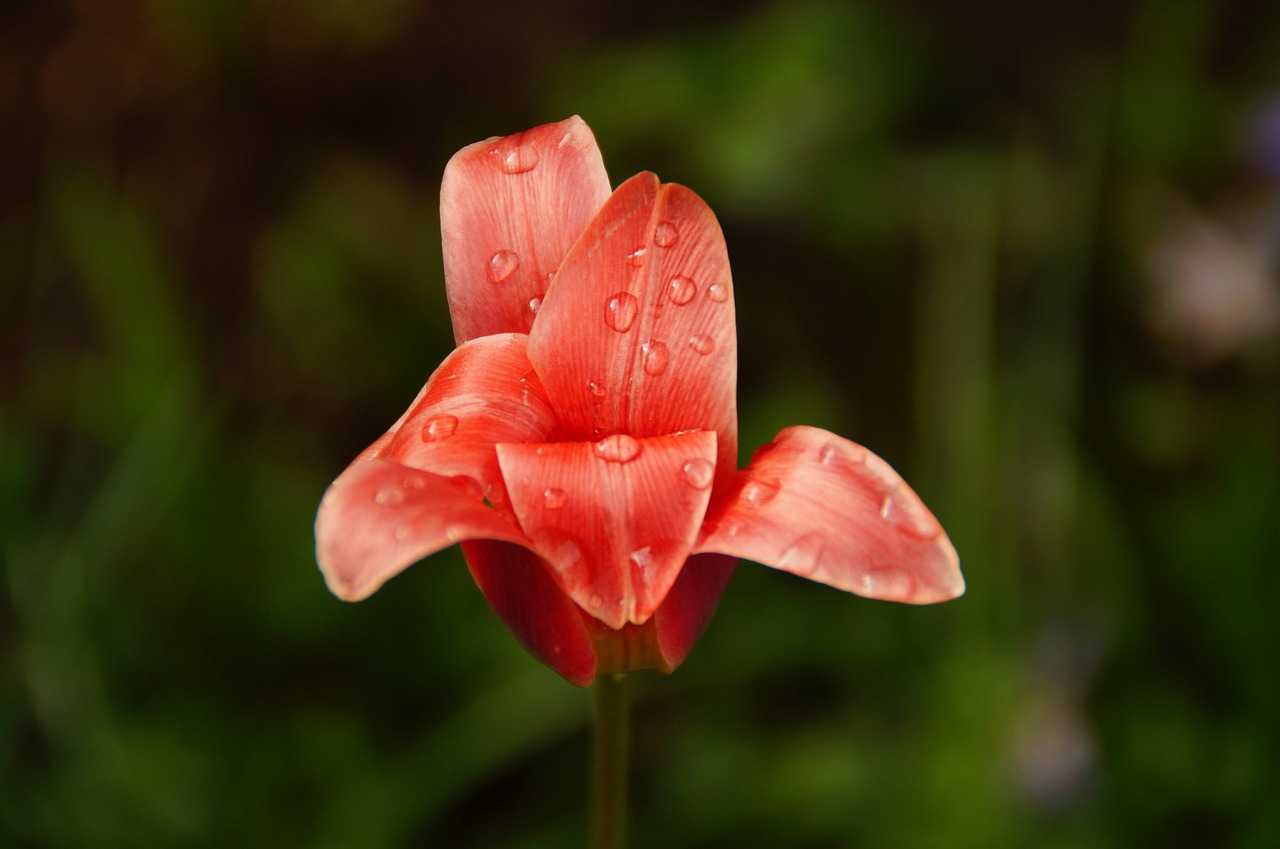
389	496
682	290
596	389
502	265
760	491
702	344
889	584
655	357
804	556
698	473
518	158
620	311
665	234
905	511
438	428
553	499
718	292
618	448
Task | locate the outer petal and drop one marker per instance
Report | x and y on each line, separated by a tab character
510	209
615	519
380	517
484	393
637	336
688	607
825	508
520	590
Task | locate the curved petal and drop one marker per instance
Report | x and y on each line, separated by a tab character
520	590
614	519
485	392
687	609
637	336
510	209
825	508
380	517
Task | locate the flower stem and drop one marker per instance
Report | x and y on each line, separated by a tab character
609	764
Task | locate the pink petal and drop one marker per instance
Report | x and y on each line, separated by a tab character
637	336
687	609
825	508
614	519
520	590
485	392
510	209
380	517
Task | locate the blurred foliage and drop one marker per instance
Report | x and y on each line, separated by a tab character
1028	254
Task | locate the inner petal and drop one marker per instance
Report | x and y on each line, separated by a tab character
615	519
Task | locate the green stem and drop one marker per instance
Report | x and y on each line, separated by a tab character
609	764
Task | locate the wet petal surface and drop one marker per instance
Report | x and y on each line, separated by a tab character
820	506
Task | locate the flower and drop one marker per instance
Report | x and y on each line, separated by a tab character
581	441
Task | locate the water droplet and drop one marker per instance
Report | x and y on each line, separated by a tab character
718	292
804	556
656	356
554	499
682	290
518	158
888	584
495	494
637	256
468	486
455	533
618	448
906	512
389	496
438	428
698	473
402	532
702	344
620	311
665	234
829	453
502	265
643	559
760	491
595	601
597	389
414	484
535	304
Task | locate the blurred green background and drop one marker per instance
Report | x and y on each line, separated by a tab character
1025	252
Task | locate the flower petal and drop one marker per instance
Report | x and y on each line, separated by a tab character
510	209
637	335
614	519
687	609
520	590
828	509
380	517
485	392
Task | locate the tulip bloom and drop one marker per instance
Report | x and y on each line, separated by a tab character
581	441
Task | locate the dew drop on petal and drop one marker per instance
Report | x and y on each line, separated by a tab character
682	290
596	389
595	602
655	357
906	512
501	266
620	311
389	496
665	234
535	304
468	486
760	492
517	159
414	483
554	499
702	344
618	448
643	559
439	428
402	532
698	473
637	256
827	456
455	533
804	556
718	292
889	584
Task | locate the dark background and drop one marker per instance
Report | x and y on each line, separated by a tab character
1025	252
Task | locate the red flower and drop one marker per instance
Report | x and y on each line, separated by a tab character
581	441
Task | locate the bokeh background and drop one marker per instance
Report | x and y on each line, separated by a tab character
1026	252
